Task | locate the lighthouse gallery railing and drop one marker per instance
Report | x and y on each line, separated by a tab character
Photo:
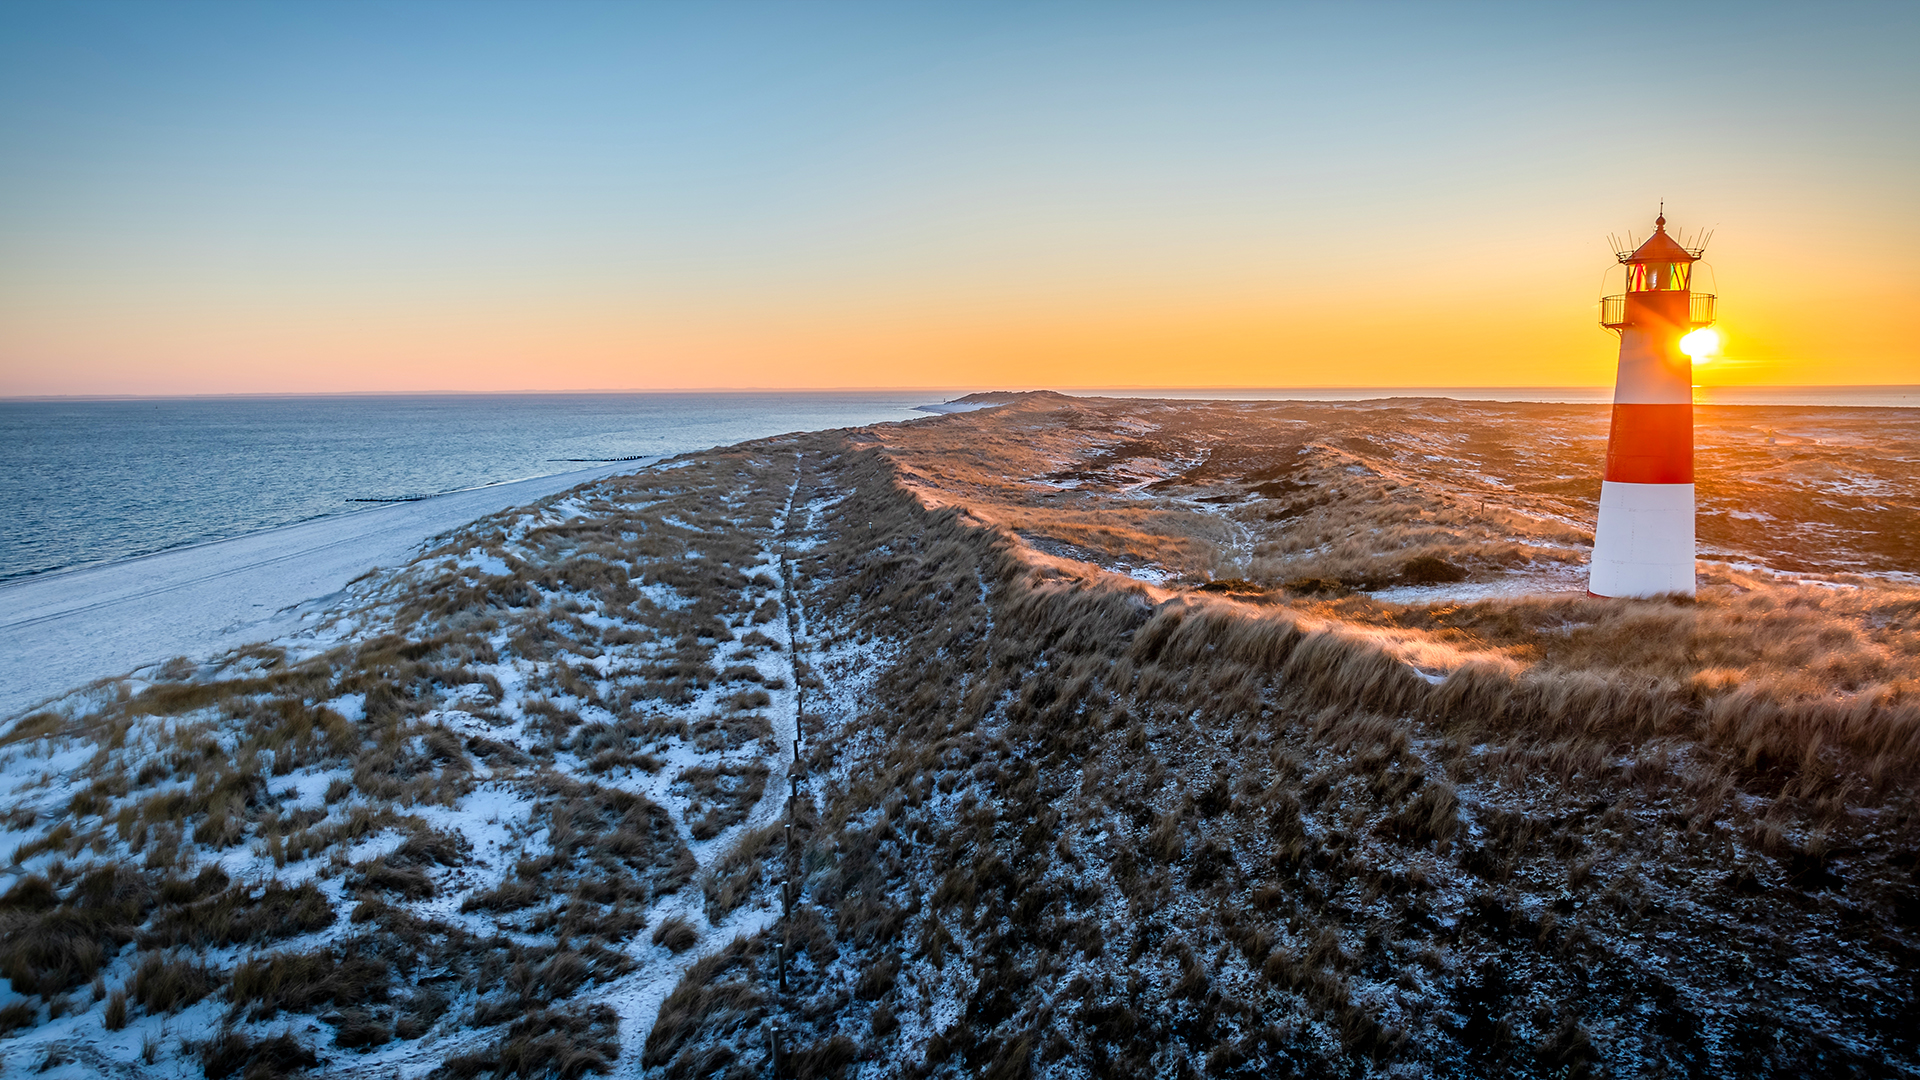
1613	310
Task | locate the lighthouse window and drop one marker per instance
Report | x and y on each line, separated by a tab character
1657	277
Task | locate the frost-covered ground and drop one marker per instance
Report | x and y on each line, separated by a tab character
1267	741
462	790
1132	739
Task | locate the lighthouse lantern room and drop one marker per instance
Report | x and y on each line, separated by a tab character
1643	544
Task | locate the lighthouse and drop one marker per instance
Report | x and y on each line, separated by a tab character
1643	545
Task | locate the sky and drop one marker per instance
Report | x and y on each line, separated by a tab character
365	197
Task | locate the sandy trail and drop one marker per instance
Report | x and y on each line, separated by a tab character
63	630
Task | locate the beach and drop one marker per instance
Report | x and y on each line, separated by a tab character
63	630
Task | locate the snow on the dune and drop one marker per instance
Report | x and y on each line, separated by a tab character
1546	580
497	817
63	630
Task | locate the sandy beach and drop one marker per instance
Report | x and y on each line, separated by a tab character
63	630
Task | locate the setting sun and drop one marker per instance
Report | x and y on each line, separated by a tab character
1703	344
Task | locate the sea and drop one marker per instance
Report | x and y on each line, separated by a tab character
86	481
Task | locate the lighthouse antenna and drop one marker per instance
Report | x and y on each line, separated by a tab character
1697	244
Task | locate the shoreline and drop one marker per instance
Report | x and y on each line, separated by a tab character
65	629
92	482
369	506
57	627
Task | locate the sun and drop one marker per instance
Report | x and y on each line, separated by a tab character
1701	345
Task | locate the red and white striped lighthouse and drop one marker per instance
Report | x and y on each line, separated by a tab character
1643	545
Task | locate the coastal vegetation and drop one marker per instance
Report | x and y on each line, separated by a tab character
1066	738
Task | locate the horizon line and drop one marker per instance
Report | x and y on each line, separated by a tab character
976	389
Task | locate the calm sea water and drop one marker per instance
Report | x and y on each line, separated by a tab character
84	481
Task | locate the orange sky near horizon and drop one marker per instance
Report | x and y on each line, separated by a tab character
850	195
1857	328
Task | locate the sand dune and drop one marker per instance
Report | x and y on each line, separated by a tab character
1232	739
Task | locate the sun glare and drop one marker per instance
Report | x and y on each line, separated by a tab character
1702	344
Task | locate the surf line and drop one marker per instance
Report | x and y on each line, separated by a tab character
635	457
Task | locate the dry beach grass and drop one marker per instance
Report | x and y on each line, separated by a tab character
1132	745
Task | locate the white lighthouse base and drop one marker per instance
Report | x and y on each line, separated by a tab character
1644	543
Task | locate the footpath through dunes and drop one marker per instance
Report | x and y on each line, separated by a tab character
531	804
467	825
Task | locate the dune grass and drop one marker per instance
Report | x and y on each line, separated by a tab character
1080	823
1111	766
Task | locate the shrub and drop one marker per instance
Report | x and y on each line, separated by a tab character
358	1028
302	982
550	1042
36	726
719	797
676	933
169	983
748	699
237	917
31	893
732	880
1431	570
382	875
59	950
507	896
832	1055
210	880
20	1014
230	1051
722	989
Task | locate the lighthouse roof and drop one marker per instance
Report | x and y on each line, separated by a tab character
1660	247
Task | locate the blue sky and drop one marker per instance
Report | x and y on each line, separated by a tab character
190	185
